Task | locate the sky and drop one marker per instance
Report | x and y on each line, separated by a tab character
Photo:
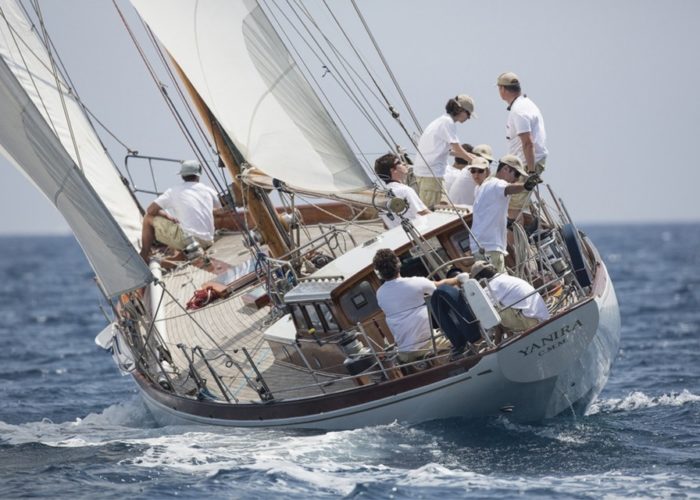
616	82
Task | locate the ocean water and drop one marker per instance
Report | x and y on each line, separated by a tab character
72	427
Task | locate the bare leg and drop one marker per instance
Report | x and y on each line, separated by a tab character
148	236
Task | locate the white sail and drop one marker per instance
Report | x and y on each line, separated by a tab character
234	58
26	56
35	136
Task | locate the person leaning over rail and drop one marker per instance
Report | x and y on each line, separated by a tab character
403	302
434	146
524	307
392	170
490	211
525	131
181	212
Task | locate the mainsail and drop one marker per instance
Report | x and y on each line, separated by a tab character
243	72
39	133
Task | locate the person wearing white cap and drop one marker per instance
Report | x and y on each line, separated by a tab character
434	146
520	306
490	212
525	130
182	211
462	190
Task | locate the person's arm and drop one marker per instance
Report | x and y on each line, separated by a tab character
528	151
458	150
155	210
514	189
448	281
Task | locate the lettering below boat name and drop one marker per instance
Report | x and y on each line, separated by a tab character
550	342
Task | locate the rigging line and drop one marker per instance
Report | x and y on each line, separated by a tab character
16	35
352	45
58	84
195	122
320	89
342	82
386	65
159	84
72	90
349	69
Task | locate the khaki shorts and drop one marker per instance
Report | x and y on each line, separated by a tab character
497	260
171	234
520	200
513	319
441	344
430	190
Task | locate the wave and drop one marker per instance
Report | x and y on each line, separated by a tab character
638	400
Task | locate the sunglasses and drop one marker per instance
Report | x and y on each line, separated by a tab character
477	170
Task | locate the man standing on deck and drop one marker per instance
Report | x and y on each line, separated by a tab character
181	212
490	215
525	131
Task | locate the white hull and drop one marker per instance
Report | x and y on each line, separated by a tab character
558	368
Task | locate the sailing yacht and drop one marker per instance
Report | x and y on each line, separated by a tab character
277	324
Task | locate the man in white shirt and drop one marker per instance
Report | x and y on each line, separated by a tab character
525	130
453	171
180	212
434	146
462	190
403	302
490	212
392	170
524	307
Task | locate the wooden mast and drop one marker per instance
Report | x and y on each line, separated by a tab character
254	198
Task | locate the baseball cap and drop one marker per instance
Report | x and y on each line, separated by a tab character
190	167
479	266
467	103
514	162
508	78
483	150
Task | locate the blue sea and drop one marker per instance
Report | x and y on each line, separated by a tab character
72	427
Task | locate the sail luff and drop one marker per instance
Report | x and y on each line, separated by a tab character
34	137
243	72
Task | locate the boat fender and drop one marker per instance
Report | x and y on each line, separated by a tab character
570	236
479	302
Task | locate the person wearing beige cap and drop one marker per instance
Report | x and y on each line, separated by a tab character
434	146
181	213
490	212
525	131
462	190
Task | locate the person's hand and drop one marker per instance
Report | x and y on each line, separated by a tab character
532	181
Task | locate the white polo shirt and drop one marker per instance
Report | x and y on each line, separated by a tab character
434	145
525	116
192	203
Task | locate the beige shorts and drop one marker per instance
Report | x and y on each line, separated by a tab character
171	234
513	319
441	344
520	200
430	190
497	260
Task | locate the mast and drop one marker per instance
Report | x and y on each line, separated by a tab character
255	198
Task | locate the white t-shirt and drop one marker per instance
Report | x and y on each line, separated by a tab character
192	203
490	216
525	116
415	204
451	174
434	145
403	303
462	190
509	290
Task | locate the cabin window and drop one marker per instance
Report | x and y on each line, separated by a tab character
331	325
317	316
460	240
299	319
359	303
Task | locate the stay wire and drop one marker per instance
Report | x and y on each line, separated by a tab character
320	89
335	74
386	66
350	70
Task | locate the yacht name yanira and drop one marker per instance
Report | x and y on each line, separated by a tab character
287	331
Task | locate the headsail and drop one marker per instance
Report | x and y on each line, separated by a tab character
35	136
239	65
